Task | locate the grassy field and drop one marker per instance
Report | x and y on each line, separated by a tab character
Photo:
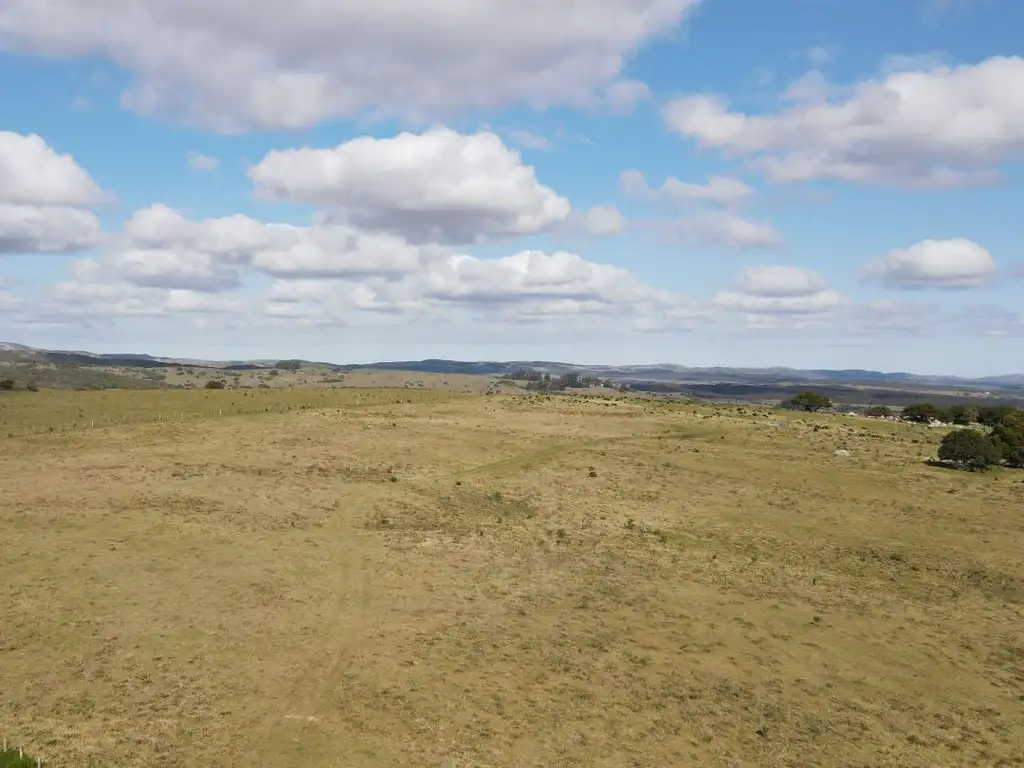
51	376
392	578
48	411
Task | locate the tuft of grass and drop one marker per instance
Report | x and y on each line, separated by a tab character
12	758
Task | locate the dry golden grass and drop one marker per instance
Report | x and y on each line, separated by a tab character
499	581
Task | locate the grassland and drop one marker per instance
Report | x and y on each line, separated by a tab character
397	577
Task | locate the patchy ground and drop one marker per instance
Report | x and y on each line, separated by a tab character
437	579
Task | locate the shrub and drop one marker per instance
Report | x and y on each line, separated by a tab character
963	414
7	384
215	384
810	401
878	411
13	758
922	413
991	415
1009	432
970	449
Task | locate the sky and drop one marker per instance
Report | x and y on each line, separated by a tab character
804	183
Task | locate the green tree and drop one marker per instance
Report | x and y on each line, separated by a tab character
991	415
1009	432
922	413
7	384
215	384
288	365
970	449
963	414
810	401
879	411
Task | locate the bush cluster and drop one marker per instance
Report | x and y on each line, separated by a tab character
989	415
975	450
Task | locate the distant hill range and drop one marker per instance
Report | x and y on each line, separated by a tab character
651	375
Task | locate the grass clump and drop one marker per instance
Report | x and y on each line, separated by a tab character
12	757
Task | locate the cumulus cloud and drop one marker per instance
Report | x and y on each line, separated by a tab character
234	65
718	228
163	262
73	301
201	163
438	186
605	220
32	173
32	229
940	127
779	280
42	194
721	190
159	247
710	225
955	263
622	96
772	296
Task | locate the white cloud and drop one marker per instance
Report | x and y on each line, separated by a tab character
438	186
623	95
33	229
32	173
767	294
41	196
936	128
232	65
160	248
809	89
721	190
330	274
713	228
955	263
893	316
605	220
201	163
813	303
72	301
780	280
989	320
529	286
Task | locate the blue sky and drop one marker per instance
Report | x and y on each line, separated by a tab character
813	183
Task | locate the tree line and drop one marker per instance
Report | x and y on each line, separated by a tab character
544	382
987	415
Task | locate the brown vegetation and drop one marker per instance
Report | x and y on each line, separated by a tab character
430	579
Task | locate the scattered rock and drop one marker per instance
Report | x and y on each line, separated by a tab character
842	453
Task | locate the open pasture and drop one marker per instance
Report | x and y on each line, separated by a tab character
390	578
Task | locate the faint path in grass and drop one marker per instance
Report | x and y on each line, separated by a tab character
305	726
